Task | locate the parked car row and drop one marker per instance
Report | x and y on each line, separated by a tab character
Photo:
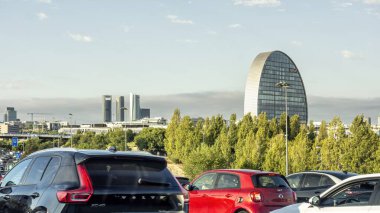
69	180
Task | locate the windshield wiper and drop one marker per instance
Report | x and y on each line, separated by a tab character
142	181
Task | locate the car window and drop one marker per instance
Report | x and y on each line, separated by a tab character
205	182
228	181
269	181
356	194
37	170
15	175
294	180
51	171
311	181
326	181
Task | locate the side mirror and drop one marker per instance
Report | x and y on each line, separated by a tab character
315	200
189	187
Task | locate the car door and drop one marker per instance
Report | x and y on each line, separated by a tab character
295	182
200	195
11	188
222	198
309	187
350	198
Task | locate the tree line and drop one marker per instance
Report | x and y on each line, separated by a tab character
255	142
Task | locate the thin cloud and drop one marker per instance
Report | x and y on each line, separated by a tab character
346	4
175	20
235	26
44	1
258	3
347	54
42	16
80	37
297	43
127	29
188	41
372	1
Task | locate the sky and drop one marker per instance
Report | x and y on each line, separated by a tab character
62	56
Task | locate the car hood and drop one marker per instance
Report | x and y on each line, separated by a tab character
295	208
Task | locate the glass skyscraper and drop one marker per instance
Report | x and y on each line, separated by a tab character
262	94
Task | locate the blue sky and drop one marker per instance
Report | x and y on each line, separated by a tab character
84	49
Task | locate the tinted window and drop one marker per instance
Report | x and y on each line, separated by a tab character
294	180
51	170
269	181
228	181
205	182
311	180
15	175
355	194
326	181
37	170
114	172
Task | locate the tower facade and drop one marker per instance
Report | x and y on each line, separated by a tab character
107	108
261	93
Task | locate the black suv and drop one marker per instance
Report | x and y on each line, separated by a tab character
311	183
73	181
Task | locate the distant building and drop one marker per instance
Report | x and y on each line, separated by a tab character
9	129
145	113
107	108
10	114
367	120
261	91
134	107
120	108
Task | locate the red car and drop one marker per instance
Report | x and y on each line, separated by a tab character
239	191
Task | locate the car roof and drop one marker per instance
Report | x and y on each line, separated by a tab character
351	179
338	174
243	171
91	152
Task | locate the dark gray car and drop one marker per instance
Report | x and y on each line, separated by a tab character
311	183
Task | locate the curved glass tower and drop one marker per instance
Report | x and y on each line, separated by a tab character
262	94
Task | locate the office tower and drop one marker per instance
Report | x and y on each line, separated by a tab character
107	108
120	108
10	114
145	113
264	93
134	107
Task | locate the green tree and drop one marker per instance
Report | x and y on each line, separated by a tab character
151	140
294	126
170	137
275	157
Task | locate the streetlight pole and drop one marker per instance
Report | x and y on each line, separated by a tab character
125	132
71	126
285	86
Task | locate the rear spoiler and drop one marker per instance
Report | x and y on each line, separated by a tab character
81	158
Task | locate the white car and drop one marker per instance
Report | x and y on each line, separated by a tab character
358	194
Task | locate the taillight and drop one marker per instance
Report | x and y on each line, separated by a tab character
295	197
80	195
256	197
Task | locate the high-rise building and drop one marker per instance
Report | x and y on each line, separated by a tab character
145	113
10	114
261	91
107	108
120	108
367	120
134	107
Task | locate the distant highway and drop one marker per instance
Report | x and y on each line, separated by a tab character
40	136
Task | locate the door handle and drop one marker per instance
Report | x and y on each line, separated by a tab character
204	195
35	195
7	197
228	195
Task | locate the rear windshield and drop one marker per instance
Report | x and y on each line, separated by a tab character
269	181
131	173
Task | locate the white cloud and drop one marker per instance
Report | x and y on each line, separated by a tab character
346	4
297	43
259	3
188	41
235	26
80	37
45	1
347	54
372	1
127	29
42	16
174	19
